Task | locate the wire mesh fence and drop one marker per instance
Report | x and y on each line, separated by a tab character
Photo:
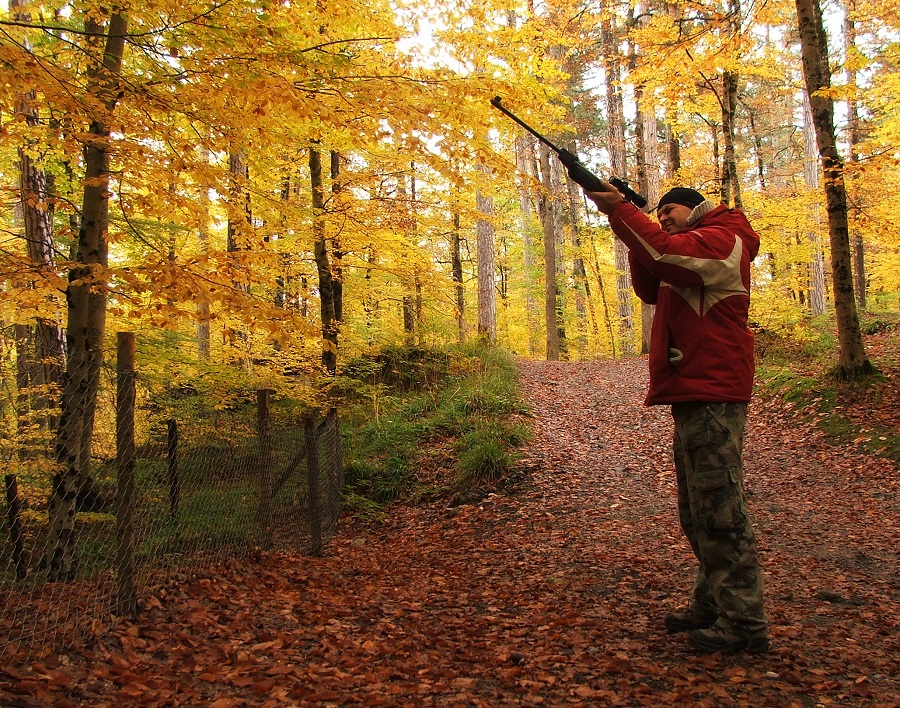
84	543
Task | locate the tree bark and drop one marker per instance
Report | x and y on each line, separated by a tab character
203	312
456	274
546	210
487	299
731	186
816	266
852	359
648	185
86	298
323	266
45	353
336	249
527	163
853	139
616	143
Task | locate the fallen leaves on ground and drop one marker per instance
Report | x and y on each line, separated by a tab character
550	594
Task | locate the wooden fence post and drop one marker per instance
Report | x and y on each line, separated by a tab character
265	464
312	476
14	509
172	456
125	489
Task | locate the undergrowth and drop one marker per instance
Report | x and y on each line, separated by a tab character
801	373
424	423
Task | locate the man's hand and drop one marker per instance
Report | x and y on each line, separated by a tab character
607	199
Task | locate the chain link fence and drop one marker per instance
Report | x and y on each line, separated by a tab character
84	544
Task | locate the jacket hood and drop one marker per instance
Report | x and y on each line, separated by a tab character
710	214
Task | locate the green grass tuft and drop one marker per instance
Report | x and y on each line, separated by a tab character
465	405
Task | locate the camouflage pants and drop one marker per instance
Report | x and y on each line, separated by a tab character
713	512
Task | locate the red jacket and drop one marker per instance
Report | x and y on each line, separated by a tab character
700	346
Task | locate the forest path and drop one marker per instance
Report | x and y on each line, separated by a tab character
550	594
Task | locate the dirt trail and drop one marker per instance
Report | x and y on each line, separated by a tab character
551	594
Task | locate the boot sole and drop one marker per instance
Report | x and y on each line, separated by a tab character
752	646
673	626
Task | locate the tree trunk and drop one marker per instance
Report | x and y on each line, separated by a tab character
527	163
323	266
731	186
648	185
487	300
45	354
407	301
546	209
456	273
336	250
673	154
86	299
616	144
581	286
853	139
603	299
852	359
239	220
203	313
811	176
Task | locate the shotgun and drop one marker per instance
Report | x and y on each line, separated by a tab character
578	173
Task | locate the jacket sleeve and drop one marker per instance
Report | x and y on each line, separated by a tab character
645	285
687	259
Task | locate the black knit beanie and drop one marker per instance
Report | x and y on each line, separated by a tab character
682	195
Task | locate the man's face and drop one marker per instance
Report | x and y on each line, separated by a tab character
673	217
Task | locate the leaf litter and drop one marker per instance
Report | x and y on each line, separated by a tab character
548	593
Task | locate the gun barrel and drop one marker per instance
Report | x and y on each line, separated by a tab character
577	171
495	102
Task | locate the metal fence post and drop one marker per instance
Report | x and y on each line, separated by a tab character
125	488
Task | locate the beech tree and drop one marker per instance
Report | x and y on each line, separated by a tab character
86	297
852	359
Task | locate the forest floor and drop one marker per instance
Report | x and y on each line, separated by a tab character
549	592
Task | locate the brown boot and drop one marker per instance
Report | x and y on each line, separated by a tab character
687	621
719	639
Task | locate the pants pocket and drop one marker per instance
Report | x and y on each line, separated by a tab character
716	500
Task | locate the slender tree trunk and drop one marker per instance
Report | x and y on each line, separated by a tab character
673	154
816	266
203	313
370	301
527	163
616	144
239	239
417	300
456	272
487	299
45	355
731	186
407	305
579	274
86	297
337	191
546	209
649	186
853	140
607	315
323	266
852	359
757	149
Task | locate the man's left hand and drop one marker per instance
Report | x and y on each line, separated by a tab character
607	199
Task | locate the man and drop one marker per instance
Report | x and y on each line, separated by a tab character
695	267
